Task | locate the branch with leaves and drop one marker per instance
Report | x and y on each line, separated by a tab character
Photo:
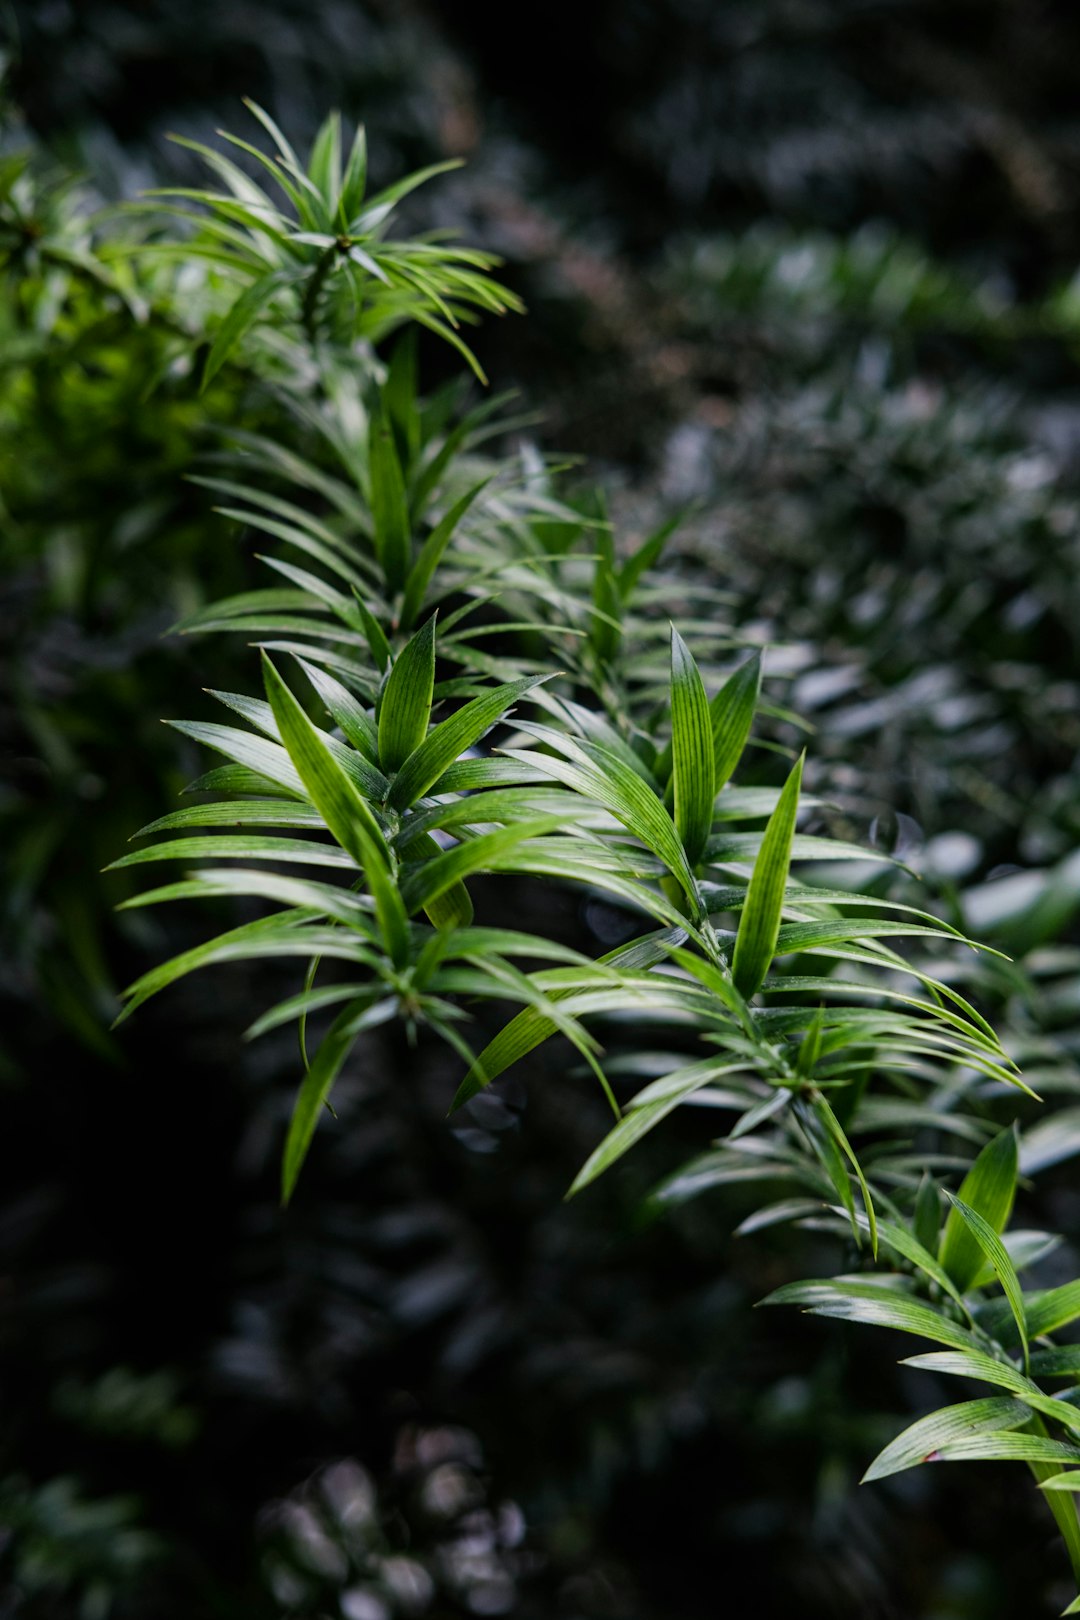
392	759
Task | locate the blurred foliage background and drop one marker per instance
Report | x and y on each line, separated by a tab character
811	272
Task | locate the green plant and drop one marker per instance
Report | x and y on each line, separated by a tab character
788	1002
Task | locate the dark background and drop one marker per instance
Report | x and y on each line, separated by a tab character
538	1409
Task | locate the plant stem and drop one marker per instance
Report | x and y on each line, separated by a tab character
314	288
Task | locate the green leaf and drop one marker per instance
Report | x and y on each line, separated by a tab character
902	1242
605	625
236	813
692	750
531	1027
452	907
237	847
732	711
600	775
389	507
974	1364
374	634
426	881
1008	1447
384	200
324	164
344	709
355	180
319	900
1061	1362
335	1048
641	1119
645	558
836	1132
267	759
279	935
759	925
406	699
994	1250
432	550
1052	1308
923	1440
268	123
927	1219
988	1188
242	315
444	745
346	814
399	396
877	1306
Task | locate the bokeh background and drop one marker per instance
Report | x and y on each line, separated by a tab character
808	268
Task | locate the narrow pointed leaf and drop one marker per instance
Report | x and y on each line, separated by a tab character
759	925
530	1028
988	1188
931	1434
345	812
444	745
374	634
389	507
324	165
974	1364
355	180
602	776
732	711
242	315
424	882
605	627
432	550
1004	1446
646	556
692	750
836	1132
335	1048
877	1306
640	1120
994	1250
406	700
346	711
